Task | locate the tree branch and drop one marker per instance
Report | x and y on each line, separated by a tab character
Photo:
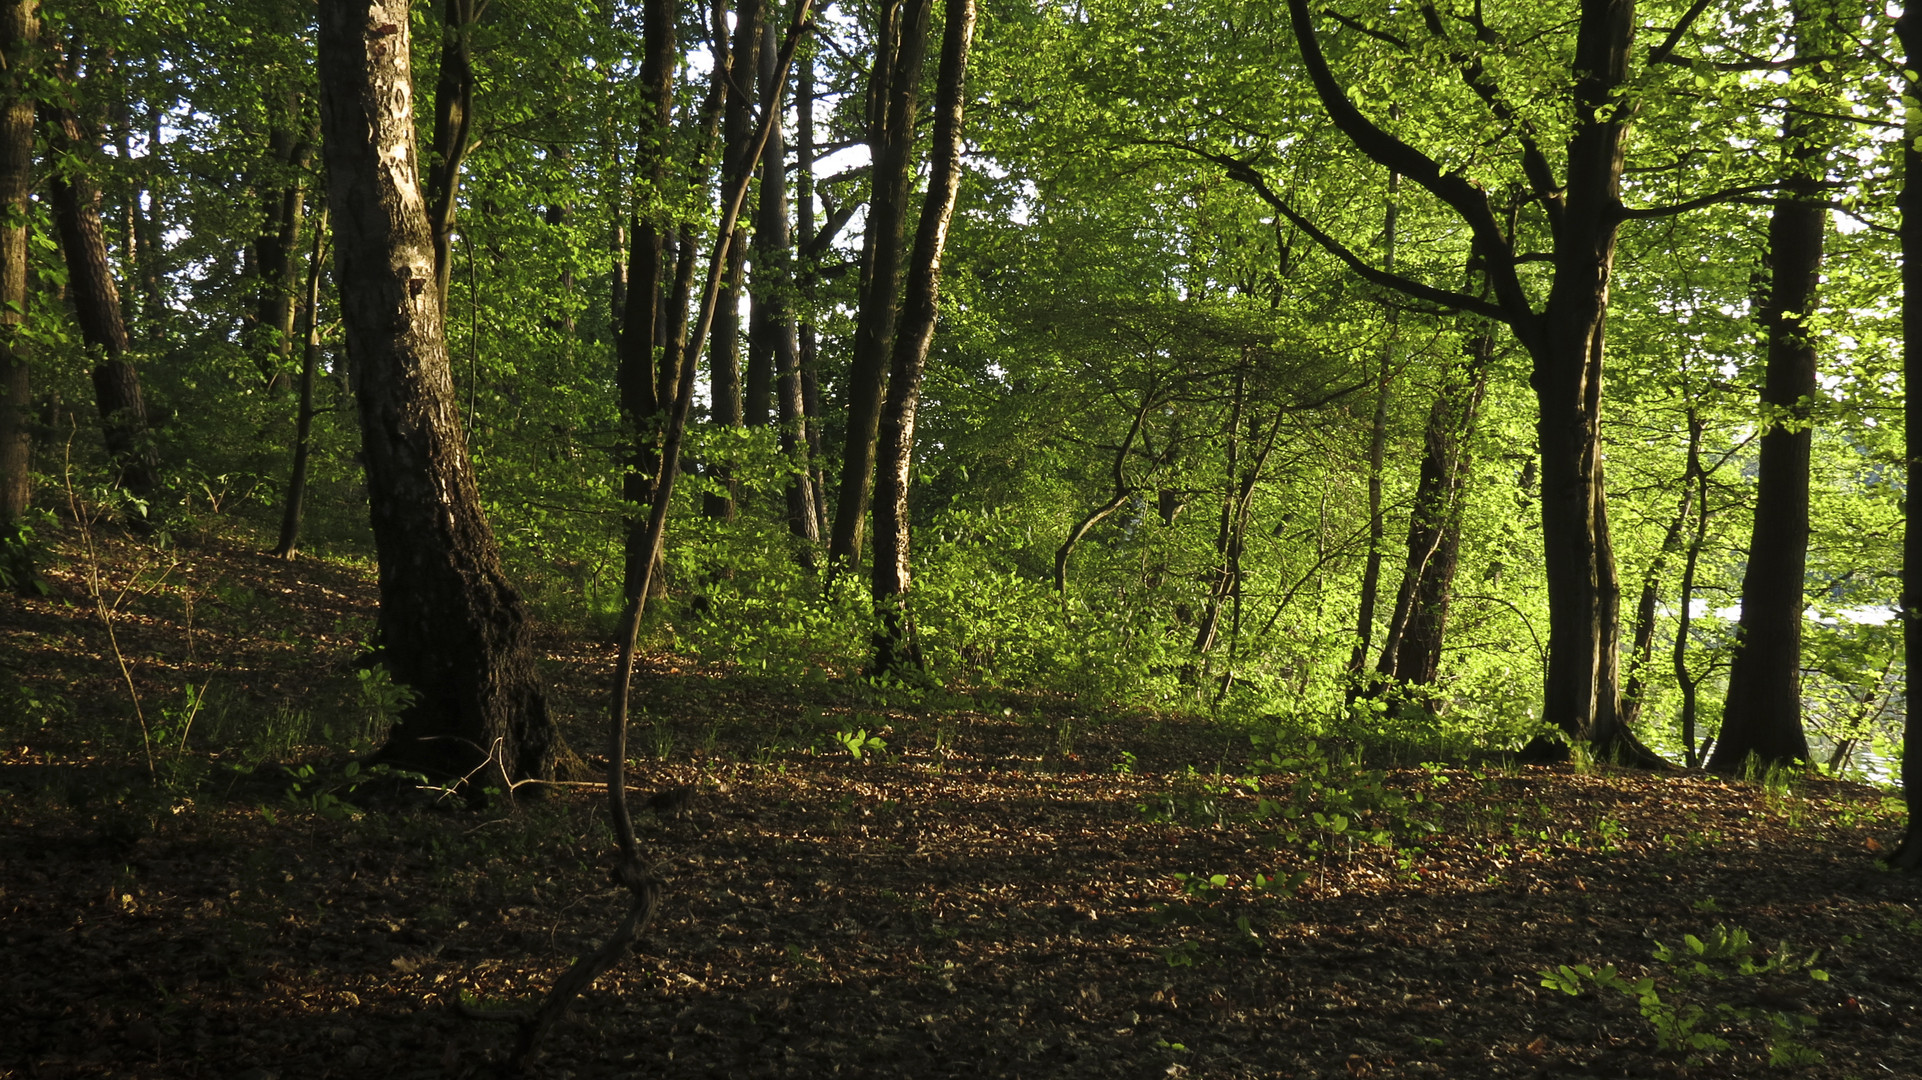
1660	53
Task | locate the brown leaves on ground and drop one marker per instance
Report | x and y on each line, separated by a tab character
992	894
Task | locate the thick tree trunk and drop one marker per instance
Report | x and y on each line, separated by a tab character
96	302
19	38
894	94
289	542
1908	28
894	645
1762	715
451	627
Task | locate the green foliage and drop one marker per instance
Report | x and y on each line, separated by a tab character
1678	1002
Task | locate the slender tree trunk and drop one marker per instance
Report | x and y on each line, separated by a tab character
1411	654
895	646
774	330
451	626
1908	28
453	131
725	402
807	357
1377	444
894	94
96	301
19	38
1693	474
1762	715
289	542
1642	639
643	368
276	259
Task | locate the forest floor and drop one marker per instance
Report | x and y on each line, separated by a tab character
1012	889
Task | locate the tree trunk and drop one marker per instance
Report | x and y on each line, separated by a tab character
453	131
96	302
894	94
643	368
1692	474
289	541
725	402
1908	28
807	353
1377	443
895	646
19	38
275	250
1411	655
1642	639
451	627
773	331
1762	715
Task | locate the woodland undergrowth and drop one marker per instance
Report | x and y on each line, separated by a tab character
200	881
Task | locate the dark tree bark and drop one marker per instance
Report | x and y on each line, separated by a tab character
894	95
453	130
725	403
290	516
654	334
276	258
641	364
1762	715
451	627
1411	654
96	302
1908	29
895	646
19	38
1564	339
773	333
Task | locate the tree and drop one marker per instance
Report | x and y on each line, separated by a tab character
1908	29
96	303
893	577
451	626
1582	211
1763	714
894	95
19	38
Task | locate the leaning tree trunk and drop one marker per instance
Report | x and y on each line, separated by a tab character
451	627
96	303
1762	715
894	645
1908	856
1377	443
894	94
19	37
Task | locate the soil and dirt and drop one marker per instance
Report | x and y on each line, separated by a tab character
993	892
